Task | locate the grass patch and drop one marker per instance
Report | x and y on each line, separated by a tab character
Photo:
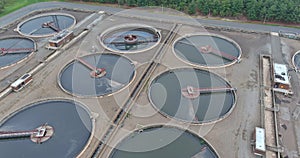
13	5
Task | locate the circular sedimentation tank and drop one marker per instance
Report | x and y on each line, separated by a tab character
192	95
162	142
47	24
71	125
130	38
296	60
97	75
14	49
207	50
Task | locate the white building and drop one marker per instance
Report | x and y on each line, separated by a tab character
281	79
259	147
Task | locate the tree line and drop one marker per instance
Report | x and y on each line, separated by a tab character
2	5
264	10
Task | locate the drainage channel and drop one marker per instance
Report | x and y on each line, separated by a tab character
268	109
120	117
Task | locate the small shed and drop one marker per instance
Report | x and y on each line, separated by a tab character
259	147
21	82
60	39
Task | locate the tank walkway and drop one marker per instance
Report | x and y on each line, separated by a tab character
16	134
192	92
208	90
38	135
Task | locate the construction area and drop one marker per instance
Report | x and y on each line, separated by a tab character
85	82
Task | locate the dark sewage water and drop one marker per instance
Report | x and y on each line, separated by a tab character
72	129
146	38
187	49
75	78
35	26
14	43
163	142
297	60
165	94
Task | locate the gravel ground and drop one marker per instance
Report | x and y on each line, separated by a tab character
230	137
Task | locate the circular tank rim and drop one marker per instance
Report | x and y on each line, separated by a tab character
41	15
185	121
213	35
22	60
293	61
94	96
159	125
45	100
128	25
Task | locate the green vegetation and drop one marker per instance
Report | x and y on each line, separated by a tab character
263	10
8	6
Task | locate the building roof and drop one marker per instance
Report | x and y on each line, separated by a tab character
20	80
60	36
260	139
281	74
